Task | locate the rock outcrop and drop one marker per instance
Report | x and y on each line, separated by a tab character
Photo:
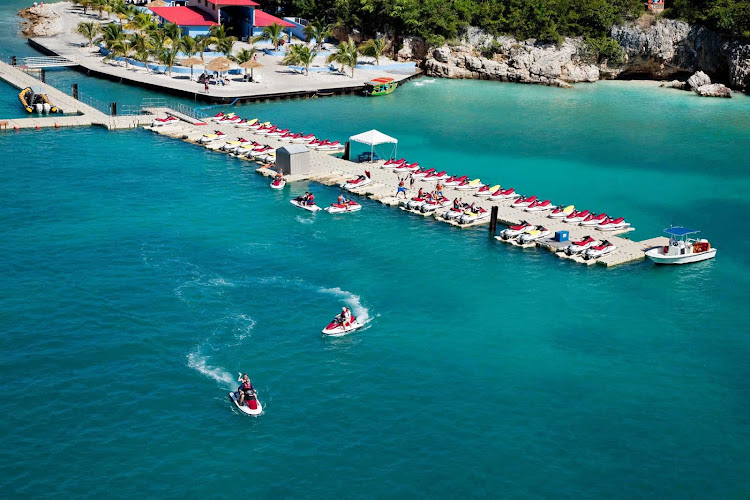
698	80
40	21
509	60
713	90
414	48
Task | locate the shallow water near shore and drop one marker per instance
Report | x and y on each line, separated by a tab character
142	273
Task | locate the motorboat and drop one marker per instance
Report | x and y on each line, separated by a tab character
160	122
300	203
435	176
504	194
580	246
681	249
539	206
433	204
468	186
476	215
300	138
362	180
250	406
515	231
454	181
593	220
596	251
534	235
278	183
390	164
206	138
342	208
422	173
613	225
577	216
407	167
336	327
561	211
523	202
487	191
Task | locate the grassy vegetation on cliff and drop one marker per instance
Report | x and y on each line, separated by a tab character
729	17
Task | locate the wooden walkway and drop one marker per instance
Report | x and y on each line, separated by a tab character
75	113
330	170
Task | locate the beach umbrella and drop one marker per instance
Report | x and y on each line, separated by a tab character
252	65
192	61
220	64
157	3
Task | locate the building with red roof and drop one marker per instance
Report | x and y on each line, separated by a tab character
239	16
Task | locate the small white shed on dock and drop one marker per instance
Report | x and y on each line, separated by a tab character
293	159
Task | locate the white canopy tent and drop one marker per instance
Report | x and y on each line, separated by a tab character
372	138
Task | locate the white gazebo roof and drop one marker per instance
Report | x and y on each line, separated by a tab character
373	138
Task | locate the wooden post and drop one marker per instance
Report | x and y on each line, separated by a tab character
347	150
13	61
43	76
74	90
493	220
113	108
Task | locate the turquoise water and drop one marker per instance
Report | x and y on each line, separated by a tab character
10	106
142	273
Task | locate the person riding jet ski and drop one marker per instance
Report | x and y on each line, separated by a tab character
246	389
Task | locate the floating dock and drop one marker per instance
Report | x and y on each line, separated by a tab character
328	169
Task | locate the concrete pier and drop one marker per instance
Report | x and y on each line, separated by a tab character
74	112
328	169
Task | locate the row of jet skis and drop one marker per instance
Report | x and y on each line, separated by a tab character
587	247
465	213
243	146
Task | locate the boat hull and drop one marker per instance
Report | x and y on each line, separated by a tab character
658	257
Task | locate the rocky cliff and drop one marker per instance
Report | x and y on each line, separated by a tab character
656	49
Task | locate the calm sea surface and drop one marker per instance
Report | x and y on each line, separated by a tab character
141	273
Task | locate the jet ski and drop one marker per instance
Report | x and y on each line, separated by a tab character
297	202
220	116
468	186
515	231
539	206
422	173
561	211
454	181
258	124
341	208
211	137
160	122
577	216
504	194
249	407
534	235
454	213
435	176
415	203
336	328
523	201
597	251
230	119
613	224
278	183
593	220
260	151
362	180
265	130
580	246
433	204
246	123
473	216
407	167
299	138
486	191
328	145
277	133
391	164
231	146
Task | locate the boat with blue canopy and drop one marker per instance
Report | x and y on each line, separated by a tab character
681	248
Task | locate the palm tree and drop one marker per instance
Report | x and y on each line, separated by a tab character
244	56
188	45
89	30
317	31
273	32
120	47
300	55
172	31
110	33
120	9
201	44
142	46
100	5
374	47
168	56
346	55
141	22
224	42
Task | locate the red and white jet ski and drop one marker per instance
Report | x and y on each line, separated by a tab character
336	327
160	122
504	194
475	215
454	181
580	246
407	167
539	206
436	176
310	207
597	251
561	211
278	183
391	164
515	231
487	191
362	180
577	216
422	173
251	406
433	204
593	220
299	138
535	234
523	201
415	203
613	224
342	208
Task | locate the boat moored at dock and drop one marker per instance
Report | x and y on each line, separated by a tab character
681	249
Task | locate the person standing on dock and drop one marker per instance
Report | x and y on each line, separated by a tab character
401	189
439	190
411	181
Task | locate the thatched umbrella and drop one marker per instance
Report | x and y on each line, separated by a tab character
220	64
157	3
192	61
252	65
